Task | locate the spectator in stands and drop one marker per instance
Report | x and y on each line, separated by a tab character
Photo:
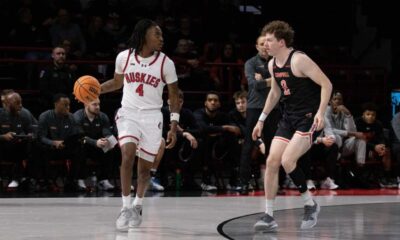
98	46
4	94
219	138
372	145
238	118
116	28
171	35
16	133
228	77
339	125
95	126
98	40
395	125
64	29
26	33
60	139
57	78
326	151
184	153
186	31
339	119
190	73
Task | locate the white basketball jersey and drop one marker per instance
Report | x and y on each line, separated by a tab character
144	78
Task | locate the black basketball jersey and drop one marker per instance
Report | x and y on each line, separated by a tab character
300	95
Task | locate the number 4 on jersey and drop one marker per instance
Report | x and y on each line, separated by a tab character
139	90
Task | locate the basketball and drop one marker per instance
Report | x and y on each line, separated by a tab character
86	89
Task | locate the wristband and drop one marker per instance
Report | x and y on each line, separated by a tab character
259	141
262	117
174	117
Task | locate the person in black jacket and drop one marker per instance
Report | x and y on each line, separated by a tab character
259	85
16	133
96	128
60	139
56	78
185	149
219	137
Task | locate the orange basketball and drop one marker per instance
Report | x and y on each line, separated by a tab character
86	89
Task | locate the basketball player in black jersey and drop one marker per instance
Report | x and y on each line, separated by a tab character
304	91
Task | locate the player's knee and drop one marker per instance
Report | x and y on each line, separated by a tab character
144	175
288	163
273	163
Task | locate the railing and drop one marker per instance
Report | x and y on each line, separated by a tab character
359	83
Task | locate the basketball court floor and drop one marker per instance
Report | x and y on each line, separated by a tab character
345	214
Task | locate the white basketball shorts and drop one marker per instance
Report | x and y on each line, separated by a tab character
141	127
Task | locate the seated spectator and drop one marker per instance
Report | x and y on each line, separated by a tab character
219	138
16	134
95	126
228	77
371	145
187	31
60	139
64	29
184	153
116	28
326	151
340	121
238	118
98	46
190	73
6	92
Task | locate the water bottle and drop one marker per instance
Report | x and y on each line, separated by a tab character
178	179
93	180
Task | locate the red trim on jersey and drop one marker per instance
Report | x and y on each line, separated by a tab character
162	69
305	134
282	139
152	154
154	60
127	60
130	136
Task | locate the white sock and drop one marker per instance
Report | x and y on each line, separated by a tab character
269	207
126	201
307	198
138	201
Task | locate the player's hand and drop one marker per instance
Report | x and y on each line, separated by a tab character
58	144
319	121
380	149
359	135
171	139
9	136
101	142
257	130
191	139
233	129
328	141
258	76
343	109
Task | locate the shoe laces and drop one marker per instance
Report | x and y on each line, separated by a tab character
138	209
267	218
125	213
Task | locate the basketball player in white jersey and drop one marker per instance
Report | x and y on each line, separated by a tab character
143	71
